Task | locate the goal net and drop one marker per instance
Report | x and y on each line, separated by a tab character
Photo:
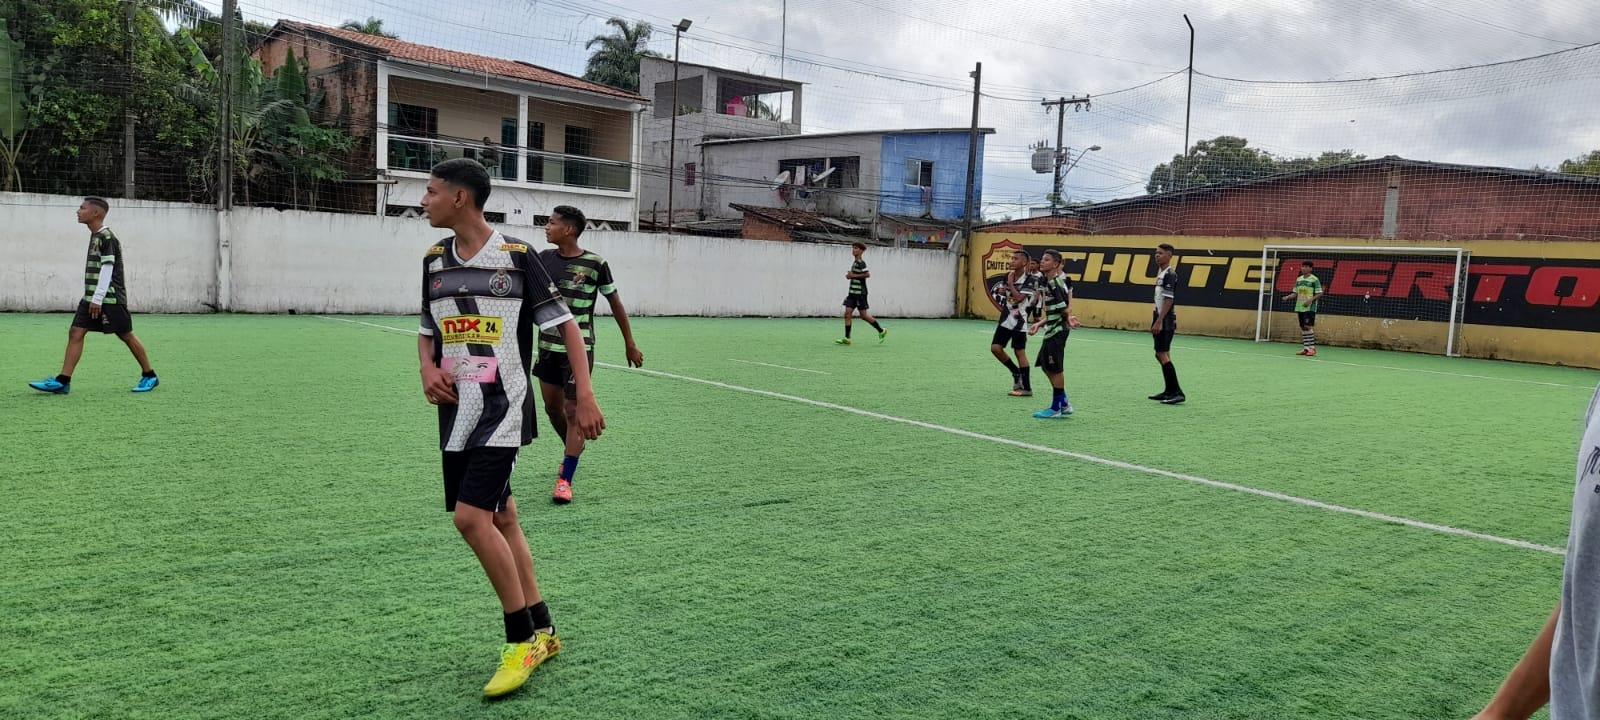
1391	297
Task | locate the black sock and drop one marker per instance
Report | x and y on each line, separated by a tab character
64	379
847	331
1170	374
539	615
876	326
148	373
519	626
1010	366
1027	377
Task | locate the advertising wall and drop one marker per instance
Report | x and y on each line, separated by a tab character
1525	300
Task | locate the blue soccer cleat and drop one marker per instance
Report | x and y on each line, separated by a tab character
52	386
1048	414
146	384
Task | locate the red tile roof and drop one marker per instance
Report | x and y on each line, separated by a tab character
468	62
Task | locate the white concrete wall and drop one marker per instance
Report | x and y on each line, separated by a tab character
333	263
170	251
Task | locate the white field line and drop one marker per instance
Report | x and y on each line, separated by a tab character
785	367
1082	457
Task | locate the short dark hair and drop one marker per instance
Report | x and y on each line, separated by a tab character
98	202
859	245
1023	253
1167	247
1306	263
465	173
1052	254
572	216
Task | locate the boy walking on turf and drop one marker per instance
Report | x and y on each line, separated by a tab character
580	275
857	299
1164	324
1307	291
104	306
483	294
1015	296
1559	667
1055	295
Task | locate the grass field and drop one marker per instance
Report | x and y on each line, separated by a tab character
263	536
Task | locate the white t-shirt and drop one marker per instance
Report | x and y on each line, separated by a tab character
1575	651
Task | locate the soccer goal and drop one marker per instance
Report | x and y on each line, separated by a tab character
1398	298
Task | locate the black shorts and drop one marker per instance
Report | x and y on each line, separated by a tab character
1053	354
480	477
552	368
1308	319
858	302
113	320
1168	329
1018	338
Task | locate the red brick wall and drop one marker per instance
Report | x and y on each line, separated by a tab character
1434	203
348	80
758	228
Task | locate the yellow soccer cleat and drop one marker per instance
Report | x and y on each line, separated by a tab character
518	661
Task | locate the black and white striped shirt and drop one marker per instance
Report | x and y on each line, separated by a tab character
483	313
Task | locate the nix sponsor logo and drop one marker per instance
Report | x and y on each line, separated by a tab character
475	329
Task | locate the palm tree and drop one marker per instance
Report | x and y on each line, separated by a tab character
373	26
616	62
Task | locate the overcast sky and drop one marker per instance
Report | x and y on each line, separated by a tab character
891	63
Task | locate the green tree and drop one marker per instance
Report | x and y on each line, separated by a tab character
89	66
1228	159
14	106
280	152
616	62
373	26
1582	164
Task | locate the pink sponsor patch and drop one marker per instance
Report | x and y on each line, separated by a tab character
473	369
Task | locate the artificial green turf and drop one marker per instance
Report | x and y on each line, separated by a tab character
263	535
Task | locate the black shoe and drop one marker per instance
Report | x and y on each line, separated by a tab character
1176	399
1160	396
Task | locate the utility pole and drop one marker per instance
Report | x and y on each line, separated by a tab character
972	153
1188	100
225	107
1060	104
783	51
129	152
672	142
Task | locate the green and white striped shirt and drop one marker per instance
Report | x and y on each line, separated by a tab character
580	279
104	263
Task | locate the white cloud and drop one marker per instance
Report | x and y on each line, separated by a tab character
1516	115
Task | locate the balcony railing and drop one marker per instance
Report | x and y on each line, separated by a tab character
421	154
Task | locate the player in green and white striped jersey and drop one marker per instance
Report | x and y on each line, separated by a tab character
581	275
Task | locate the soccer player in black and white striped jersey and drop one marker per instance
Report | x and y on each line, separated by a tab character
483	297
1015	295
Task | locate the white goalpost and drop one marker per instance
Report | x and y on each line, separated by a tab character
1401	298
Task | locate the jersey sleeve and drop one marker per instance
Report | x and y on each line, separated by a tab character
1169	285
110	248
542	297
608	284
427	325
